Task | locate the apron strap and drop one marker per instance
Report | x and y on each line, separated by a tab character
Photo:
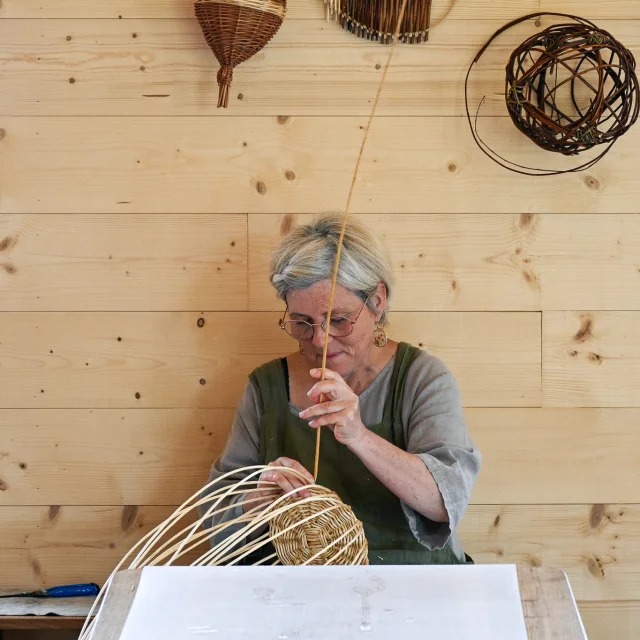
405	357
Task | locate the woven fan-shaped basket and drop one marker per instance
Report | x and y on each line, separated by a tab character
236	30
377	19
318	531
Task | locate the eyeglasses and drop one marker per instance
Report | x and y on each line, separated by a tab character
340	326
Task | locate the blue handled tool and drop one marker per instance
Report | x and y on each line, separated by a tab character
64	591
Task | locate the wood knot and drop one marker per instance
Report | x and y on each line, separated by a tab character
454	285
7	243
68	38
287	224
289	175
537	23
496	522
142	68
134	35
573	354
452	167
72	80
9	268
119	339
594	357
203	381
378	66
592	183
597	514
534	561
54	512
22	465
137	395
37	568
129	515
3	133
527	220
595	566
240	96
586	325
261	187
201	322
112	545
233	243
3	485
283	119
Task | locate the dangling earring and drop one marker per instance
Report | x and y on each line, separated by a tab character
300	349
380	336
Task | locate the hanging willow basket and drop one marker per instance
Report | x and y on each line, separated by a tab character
236	30
377	19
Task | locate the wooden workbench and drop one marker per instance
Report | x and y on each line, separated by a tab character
548	604
44	613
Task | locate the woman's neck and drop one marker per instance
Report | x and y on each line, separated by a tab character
300	381
369	369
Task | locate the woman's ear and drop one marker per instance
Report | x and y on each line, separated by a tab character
379	299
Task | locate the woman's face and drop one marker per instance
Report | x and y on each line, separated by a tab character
345	354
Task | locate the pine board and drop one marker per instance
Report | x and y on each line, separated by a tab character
180	9
486	262
78	544
309	68
172	362
591	359
161	456
296	165
132	262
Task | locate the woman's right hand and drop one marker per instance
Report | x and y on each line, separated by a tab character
284	483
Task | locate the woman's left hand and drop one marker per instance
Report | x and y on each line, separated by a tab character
340	409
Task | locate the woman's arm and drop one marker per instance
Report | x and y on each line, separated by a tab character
433	477
404	474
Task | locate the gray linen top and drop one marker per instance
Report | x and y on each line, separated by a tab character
434	429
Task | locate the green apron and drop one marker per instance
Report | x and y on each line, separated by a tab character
282	433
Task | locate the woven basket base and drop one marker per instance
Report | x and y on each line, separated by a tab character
317	536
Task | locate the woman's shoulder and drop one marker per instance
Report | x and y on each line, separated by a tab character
267	371
427	365
428	374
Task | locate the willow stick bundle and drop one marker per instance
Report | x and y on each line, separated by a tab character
286	520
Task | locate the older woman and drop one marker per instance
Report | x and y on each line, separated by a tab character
400	454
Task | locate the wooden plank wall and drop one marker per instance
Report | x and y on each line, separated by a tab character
136	222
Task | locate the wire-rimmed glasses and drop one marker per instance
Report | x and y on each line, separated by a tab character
340	326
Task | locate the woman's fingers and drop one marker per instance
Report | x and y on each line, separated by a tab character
328	375
324	408
289	481
331	419
327	389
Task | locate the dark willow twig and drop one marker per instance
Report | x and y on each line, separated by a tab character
579	49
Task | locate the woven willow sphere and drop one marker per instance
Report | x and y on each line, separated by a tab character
572	87
236	30
336	536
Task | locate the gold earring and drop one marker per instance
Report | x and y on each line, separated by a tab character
300	349
380	336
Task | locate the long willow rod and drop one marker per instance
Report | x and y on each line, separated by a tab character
346	215
350	196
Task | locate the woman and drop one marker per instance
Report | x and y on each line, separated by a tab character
400	454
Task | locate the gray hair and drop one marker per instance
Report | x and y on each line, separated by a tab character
307	255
